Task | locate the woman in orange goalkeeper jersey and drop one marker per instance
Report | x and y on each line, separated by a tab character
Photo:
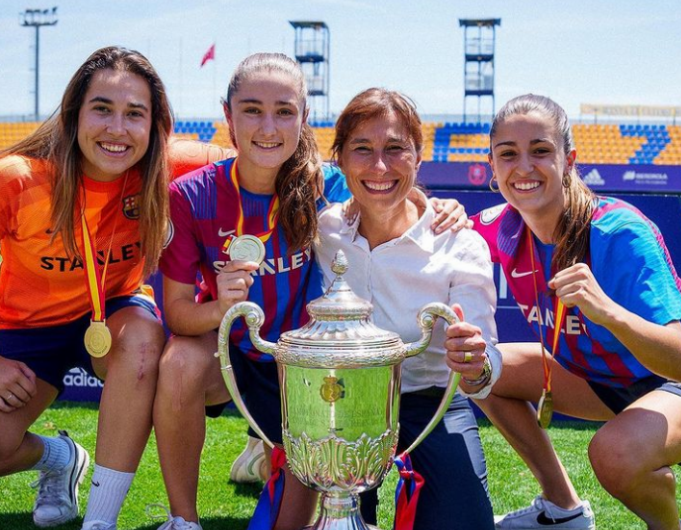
83	213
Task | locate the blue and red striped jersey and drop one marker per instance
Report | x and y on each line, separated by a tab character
204	212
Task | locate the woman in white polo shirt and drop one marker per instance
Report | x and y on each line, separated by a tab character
399	264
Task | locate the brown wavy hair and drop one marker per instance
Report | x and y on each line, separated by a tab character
298	182
572	232
56	140
376	103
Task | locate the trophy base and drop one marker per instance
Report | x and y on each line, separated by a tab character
340	512
364	526
343	525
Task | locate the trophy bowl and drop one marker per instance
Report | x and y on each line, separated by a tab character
340	380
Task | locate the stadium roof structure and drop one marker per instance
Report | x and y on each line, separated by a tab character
479	22
315	24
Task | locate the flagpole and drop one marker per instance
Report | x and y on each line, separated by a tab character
208	56
215	68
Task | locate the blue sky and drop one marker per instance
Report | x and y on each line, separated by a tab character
576	51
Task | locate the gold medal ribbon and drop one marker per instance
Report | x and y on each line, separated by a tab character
272	213
94	279
545	406
97	337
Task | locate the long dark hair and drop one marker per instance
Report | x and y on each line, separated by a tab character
572	232
56	140
298	181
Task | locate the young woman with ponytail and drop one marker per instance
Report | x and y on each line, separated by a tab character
596	283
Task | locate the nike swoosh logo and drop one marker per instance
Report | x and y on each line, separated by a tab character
549	521
225	233
516	274
95	484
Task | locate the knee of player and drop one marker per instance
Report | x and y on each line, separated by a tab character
184	360
615	462
139	345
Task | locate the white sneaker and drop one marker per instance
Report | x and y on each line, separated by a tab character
178	523
250	466
173	523
98	525
544	514
57	500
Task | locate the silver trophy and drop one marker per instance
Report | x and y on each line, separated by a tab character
340	394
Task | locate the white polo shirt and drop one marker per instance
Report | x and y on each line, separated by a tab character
401	276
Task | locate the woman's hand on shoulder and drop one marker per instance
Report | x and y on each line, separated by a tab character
449	214
17	384
233	282
576	286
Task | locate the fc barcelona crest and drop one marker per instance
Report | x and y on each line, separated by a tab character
131	208
477	174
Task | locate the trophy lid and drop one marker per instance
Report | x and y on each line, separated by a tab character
340	333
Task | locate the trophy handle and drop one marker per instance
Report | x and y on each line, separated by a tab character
254	319
427	317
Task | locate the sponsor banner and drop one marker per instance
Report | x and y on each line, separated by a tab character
632	178
664	111
81	386
600	177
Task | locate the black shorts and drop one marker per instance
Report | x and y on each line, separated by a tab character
259	387
617	399
52	351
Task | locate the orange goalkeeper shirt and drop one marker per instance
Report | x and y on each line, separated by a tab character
39	284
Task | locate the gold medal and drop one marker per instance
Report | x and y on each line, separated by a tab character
545	409
247	248
97	339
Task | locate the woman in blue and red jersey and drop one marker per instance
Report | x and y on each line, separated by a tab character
595	281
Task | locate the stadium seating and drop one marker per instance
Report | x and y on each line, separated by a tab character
463	142
12	132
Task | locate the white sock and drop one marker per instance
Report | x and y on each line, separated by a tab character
56	454
107	493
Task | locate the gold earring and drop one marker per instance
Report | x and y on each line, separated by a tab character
491	187
567	180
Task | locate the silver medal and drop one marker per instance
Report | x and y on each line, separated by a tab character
247	248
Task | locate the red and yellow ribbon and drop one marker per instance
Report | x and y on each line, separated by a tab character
94	279
559	313
272	213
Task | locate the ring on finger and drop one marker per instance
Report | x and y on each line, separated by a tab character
467	357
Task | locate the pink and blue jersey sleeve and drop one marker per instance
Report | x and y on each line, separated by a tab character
630	261
182	258
633	266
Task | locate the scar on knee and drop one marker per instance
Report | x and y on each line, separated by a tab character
147	351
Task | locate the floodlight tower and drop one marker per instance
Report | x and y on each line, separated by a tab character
312	51
478	70
36	18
